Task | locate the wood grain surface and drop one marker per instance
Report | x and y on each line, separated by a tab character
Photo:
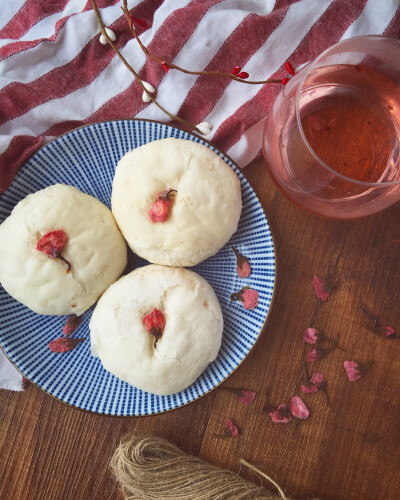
348	450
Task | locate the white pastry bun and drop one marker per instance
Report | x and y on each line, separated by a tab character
190	340
94	248
204	212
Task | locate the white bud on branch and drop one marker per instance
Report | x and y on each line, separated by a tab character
149	87
204	127
111	35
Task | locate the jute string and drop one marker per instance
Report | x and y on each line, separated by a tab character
151	468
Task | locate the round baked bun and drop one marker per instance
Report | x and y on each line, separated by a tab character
94	248
190	340
204	211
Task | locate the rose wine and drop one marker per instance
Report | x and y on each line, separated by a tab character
350	116
331	139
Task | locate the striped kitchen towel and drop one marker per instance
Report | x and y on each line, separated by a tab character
55	75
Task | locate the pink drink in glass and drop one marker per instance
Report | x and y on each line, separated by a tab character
331	140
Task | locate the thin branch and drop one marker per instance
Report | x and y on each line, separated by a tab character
165	64
137	77
183	70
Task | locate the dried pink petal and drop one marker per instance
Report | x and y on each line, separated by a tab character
376	324
389	331
355	370
234	432
52	244
322	288
244	270
316	354
64	344
242	395
309	388
155	323
318	379
248	296
316	382
159	211
298	409
243	267
72	324
281	415
245	397
311	335
313	355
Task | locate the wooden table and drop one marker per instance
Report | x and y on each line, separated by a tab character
347	450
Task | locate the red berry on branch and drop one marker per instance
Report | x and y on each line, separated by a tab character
289	68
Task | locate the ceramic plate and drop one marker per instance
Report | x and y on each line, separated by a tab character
86	158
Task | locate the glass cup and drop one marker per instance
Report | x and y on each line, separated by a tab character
331	140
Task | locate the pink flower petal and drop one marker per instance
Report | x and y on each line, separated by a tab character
231	427
298	409
353	369
72	324
244	270
318	379
245	397
312	355
64	344
309	388
311	335
389	331
250	298
154	322
51	242
321	288
243	267
281	415
160	209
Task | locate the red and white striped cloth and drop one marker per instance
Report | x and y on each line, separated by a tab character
56	76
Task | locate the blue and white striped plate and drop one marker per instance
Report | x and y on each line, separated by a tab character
86	158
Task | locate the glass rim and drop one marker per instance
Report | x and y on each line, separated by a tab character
308	68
